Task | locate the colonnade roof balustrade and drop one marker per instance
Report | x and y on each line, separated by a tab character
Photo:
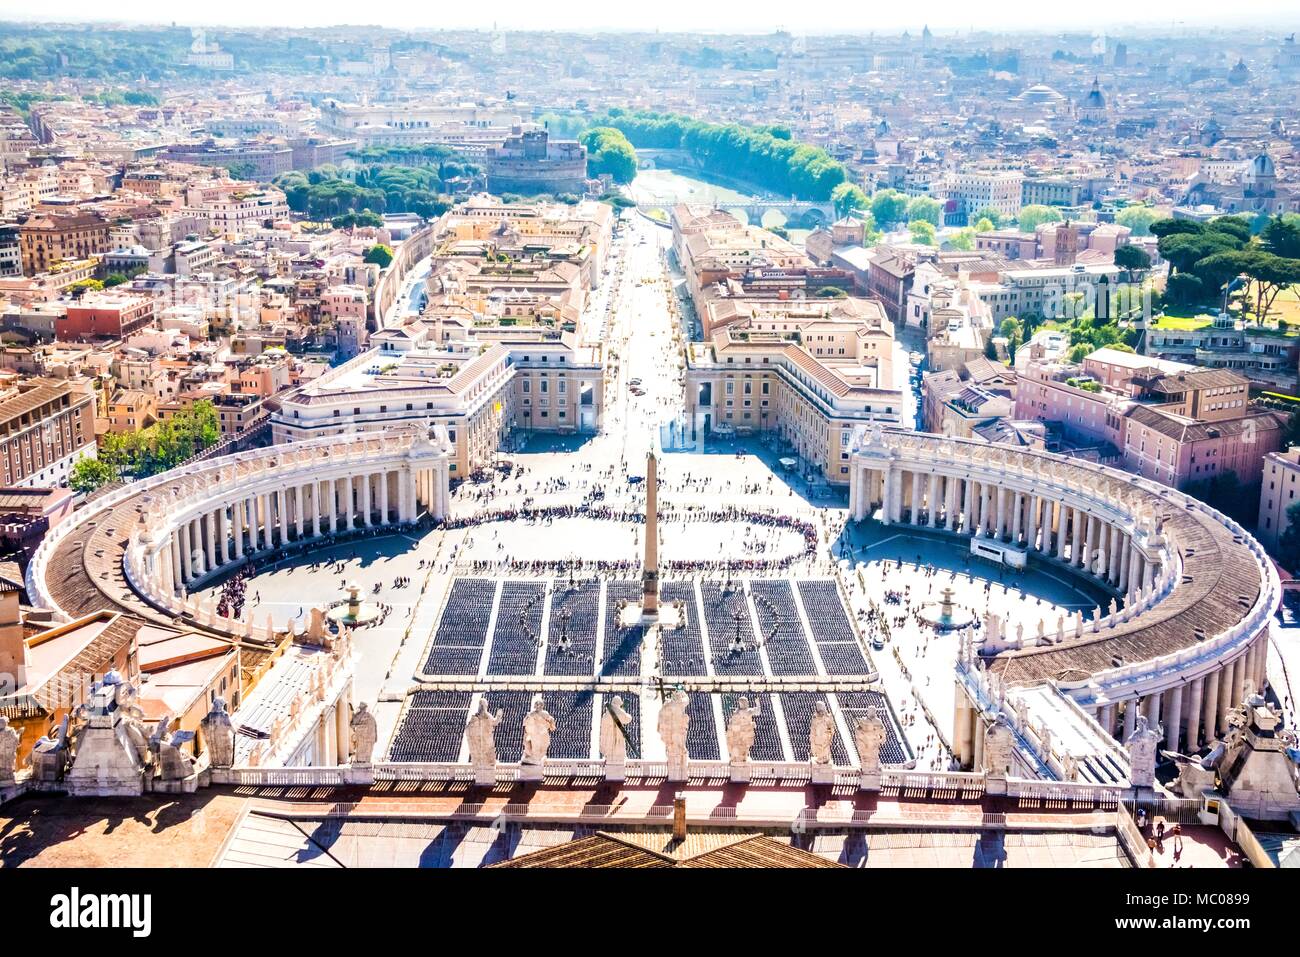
1216	587
79	566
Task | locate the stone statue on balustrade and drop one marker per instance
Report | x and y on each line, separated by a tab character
1142	745
219	735
868	737
1060	629
318	629
673	721
821	735
1070	766
8	752
999	749
538	726
365	732
49	757
172	762
614	724
480	735
740	730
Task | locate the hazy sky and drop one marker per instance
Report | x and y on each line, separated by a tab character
738	16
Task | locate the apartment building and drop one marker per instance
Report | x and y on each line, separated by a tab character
1277	493
49	238
812	381
480	391
974	190
46	425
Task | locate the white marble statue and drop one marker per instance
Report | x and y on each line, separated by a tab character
49	757
673	721
1142	745
999	749
821	733
740	729
219	735
1070	765
1060	629
172	761
538	725
8	752
868	736
614	722
364	735
480	734
317	627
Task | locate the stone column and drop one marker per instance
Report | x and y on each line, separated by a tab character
1239	680
1130	717
967	516
261	521
366	505
1148	575
1211	706
1116	549
1103	550
1107	718
932	500
1195	699
1076	547
223	535
300	505
237	521
950	490
343	730
916	498
1151	708
1000	513
1062	529
281	504
209	521
1226	703
331	504
383	498
1261	662
178	571
187	556
886	496
1174	718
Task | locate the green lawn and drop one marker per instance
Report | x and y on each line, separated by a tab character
1185	323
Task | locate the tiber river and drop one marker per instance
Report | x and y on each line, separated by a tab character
663	187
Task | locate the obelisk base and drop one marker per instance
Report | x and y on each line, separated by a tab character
666	616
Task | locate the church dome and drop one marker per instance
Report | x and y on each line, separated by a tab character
1094	100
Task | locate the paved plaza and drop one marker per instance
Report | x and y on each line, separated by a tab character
560	506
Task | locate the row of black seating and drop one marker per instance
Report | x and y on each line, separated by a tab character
430	734
787	648
581	605
682	648
463	628
622	646
720	607
836	641
702	732
518	629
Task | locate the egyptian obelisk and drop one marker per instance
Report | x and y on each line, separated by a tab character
650	576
